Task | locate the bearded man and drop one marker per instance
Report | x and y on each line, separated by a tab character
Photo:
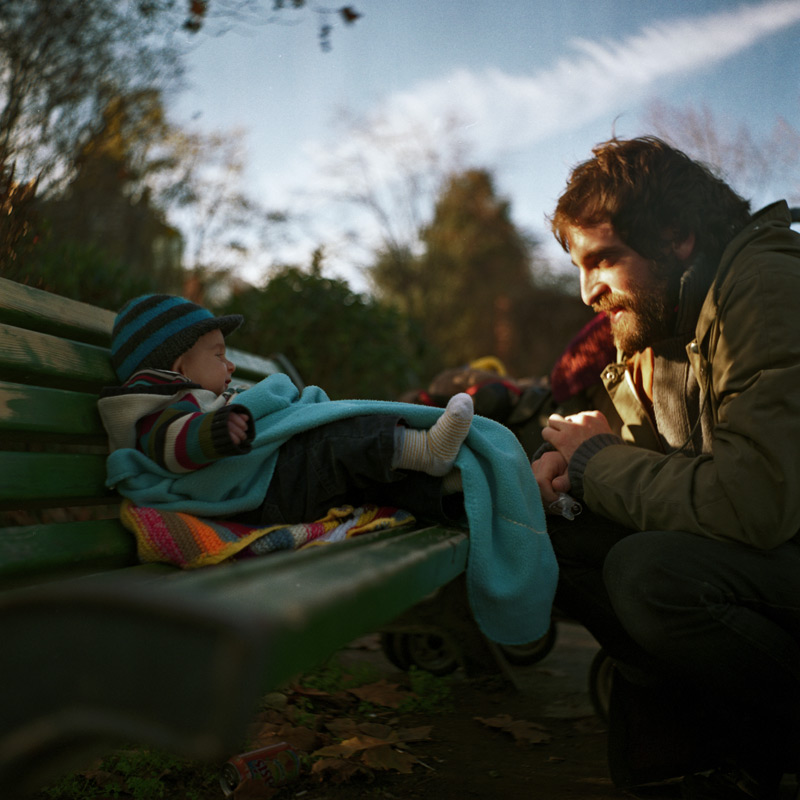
686	564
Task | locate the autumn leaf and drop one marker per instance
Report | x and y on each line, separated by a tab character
254	790
349	747
347	728
263	734
388	757
522	730
376	729
381	693
338	769
342	727
301	738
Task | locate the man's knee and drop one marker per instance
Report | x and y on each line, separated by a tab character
650	588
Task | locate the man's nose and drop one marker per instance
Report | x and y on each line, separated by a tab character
592	287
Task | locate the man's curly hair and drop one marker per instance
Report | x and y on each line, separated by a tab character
653	195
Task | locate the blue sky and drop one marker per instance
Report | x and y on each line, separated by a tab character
534	84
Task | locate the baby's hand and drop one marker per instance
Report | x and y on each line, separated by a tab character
237	427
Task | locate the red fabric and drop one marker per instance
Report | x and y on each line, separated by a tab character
580	365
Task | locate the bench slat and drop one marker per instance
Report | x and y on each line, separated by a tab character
25	307
329	596
42	480
44	360
158	660
33	552
55	413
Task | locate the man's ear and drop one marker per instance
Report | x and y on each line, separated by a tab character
684	248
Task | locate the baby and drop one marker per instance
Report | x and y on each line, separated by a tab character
174	405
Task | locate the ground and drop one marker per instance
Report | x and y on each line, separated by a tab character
490	740
363	729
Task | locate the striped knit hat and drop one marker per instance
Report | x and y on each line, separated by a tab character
151	331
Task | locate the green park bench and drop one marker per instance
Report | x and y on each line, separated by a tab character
98	650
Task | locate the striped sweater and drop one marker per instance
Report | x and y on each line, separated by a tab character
178	424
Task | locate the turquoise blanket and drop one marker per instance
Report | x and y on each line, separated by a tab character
511	572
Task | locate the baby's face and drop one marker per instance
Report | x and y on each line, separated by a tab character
205	363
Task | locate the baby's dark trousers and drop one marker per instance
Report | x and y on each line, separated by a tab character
348	462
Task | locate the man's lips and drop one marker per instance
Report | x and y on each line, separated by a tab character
613	310
615	314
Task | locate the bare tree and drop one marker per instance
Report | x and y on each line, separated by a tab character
757	166
384	179
226	229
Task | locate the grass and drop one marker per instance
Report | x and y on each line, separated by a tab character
137	774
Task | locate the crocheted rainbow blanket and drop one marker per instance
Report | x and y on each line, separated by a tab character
186	541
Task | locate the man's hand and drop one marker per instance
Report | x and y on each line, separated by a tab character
237	427
566	434
550	472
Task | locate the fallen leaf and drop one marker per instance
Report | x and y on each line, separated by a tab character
342	727
387	757
381	693
269	715
301	738
103	778
350	746
338	769
376	729
263	734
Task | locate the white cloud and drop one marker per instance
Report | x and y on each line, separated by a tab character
596	78
500	112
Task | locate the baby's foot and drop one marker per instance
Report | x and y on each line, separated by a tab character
447	435
434	451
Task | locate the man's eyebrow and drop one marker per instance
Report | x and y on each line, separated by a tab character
605	251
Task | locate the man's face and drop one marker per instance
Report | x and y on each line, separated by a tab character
638	295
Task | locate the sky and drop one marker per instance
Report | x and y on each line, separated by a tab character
532	86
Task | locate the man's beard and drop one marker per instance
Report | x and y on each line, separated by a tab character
649	309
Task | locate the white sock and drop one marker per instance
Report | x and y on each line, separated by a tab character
434	451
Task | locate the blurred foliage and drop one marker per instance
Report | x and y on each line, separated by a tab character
108	205
16	217
60	65
347	343
95	241
479	287
80	271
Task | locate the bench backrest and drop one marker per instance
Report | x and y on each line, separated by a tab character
56	516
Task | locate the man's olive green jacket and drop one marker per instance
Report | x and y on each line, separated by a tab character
723	458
